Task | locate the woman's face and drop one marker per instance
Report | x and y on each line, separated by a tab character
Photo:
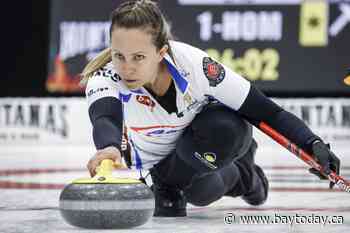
135	57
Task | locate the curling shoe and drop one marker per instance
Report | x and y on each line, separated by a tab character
169	201
258	193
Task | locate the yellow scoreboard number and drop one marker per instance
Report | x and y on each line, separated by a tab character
254	65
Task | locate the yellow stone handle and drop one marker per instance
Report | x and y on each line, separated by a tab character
104	175
105	168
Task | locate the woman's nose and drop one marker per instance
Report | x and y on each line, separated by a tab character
127	68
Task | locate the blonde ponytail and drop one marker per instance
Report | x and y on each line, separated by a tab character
98	62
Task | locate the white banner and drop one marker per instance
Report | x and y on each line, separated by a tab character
329	118
65	121
44	121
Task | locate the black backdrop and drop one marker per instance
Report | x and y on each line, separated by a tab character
25	38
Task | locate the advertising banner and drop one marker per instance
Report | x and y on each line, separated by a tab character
44	121
65	121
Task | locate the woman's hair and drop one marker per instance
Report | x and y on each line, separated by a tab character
143	14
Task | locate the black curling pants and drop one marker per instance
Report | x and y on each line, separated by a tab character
214	156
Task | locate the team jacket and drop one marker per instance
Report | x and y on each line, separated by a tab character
152	131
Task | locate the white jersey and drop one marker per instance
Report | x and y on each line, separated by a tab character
152	131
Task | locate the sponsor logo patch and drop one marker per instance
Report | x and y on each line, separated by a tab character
208	158
184	73
97	90
158	130
107	73
214	71
146	100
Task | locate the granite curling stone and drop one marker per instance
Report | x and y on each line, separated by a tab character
105	202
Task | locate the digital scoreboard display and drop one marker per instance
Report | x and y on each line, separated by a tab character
286	47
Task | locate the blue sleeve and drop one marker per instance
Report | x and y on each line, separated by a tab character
106	116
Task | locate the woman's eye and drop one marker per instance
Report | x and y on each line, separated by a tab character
139	57
118	56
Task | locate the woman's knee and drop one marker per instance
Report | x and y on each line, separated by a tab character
205	189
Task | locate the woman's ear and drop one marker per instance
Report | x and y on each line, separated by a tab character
163	51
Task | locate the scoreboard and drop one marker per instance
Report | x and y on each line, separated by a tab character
286	47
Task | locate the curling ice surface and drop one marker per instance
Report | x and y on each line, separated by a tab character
293	191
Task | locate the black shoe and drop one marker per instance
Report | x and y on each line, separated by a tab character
169	201
259	191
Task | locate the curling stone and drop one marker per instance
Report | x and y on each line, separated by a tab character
106	202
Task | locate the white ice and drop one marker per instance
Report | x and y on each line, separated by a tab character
36	210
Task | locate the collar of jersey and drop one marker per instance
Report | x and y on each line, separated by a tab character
179	80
